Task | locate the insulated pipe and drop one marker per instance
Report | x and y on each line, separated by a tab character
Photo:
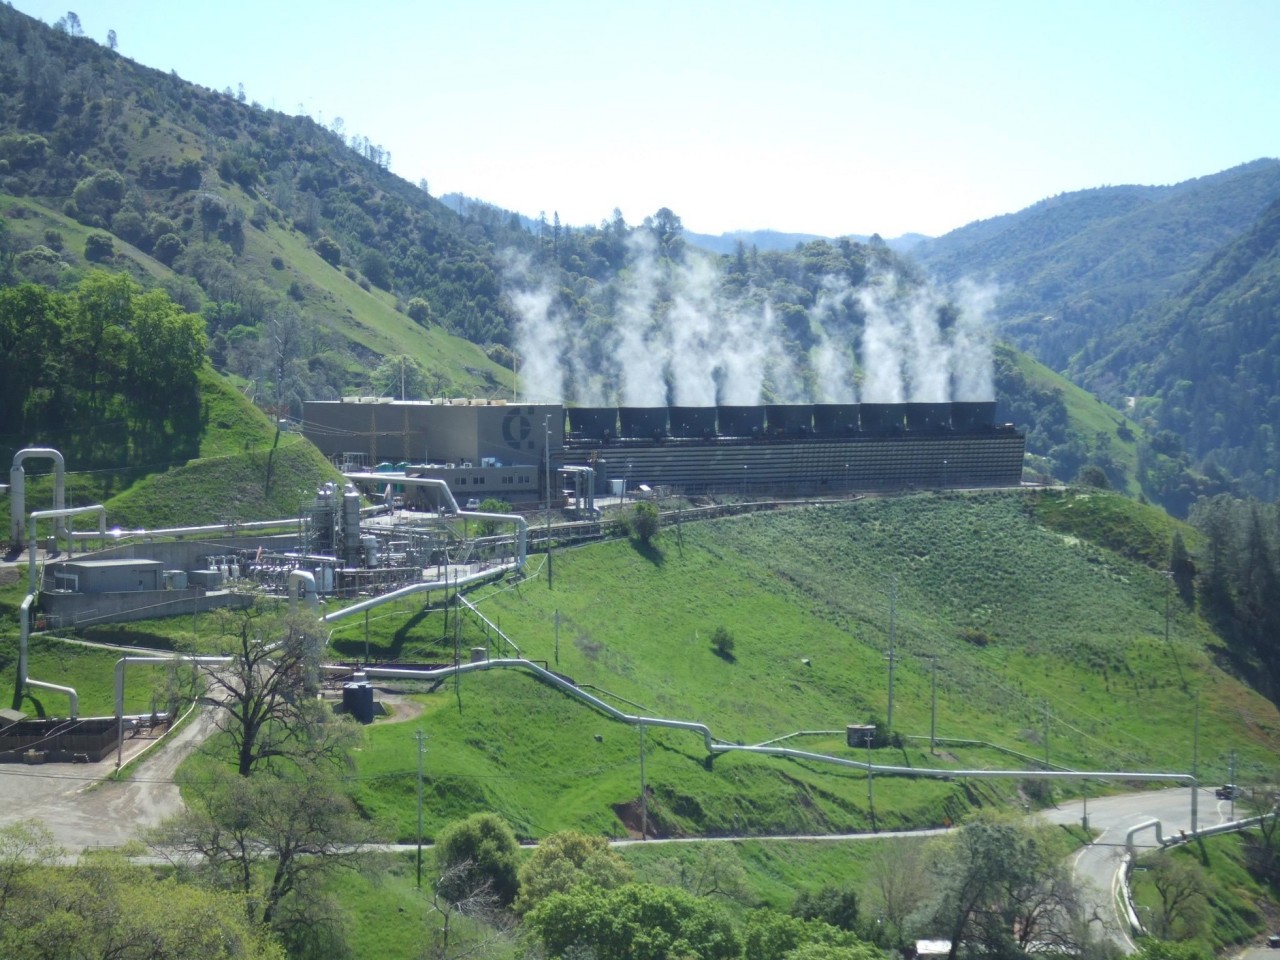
425	587
522	525
120	688
58	514
308	581
207	528
17	493
23	681
714	747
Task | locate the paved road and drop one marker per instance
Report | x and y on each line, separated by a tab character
1098	867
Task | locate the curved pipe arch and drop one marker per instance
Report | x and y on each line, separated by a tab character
17	488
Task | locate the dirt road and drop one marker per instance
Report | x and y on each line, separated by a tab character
83	808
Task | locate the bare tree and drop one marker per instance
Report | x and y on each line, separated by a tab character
1183	888
264	698
900	883
461	891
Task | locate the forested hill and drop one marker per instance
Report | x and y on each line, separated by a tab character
1204	365
248	216
1076	265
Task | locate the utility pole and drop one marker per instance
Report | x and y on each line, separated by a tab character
644	793
546	423
1195	759
1232	780
933	706
418	735
892	658
1045	705
871	797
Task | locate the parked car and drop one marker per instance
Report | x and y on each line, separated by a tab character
473	504
1228	792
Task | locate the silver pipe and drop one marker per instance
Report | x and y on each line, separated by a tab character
120	664
17	492
206	528
713	747
24	681
308	580
58	514
522	525
426	586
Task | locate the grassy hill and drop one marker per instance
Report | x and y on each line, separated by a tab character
1041	631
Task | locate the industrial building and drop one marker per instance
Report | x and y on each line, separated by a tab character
510	451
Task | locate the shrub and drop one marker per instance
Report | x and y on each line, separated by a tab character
99	247
419	310
167	248
329	251
475	853
644	522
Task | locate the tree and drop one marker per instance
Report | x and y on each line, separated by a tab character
644	522
1182	886
837	906
710	871
1182	568
633	922
261	697
167	248
272	838
1002	886
375	266
112	40
478	851
400	376
565	860
768	934
101	905
419	310
329	251
900	883
99	247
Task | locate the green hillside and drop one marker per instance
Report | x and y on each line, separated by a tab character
1039	628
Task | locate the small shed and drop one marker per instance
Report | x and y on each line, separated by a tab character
117	575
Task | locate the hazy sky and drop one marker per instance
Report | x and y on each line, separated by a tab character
820	116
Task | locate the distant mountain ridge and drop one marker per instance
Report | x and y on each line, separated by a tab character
1074	265
768	240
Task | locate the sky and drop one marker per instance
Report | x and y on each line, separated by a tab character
829	117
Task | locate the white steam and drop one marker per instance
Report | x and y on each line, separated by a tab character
681	336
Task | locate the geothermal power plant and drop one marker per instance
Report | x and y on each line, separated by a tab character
512	451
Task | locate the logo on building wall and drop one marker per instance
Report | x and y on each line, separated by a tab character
516	429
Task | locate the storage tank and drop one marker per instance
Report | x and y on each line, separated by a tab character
648	422
738	421
882	418
357	700
928	417
370	545
971	416
689	422
835	419
593	423
789	419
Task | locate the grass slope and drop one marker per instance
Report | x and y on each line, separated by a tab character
1038	632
